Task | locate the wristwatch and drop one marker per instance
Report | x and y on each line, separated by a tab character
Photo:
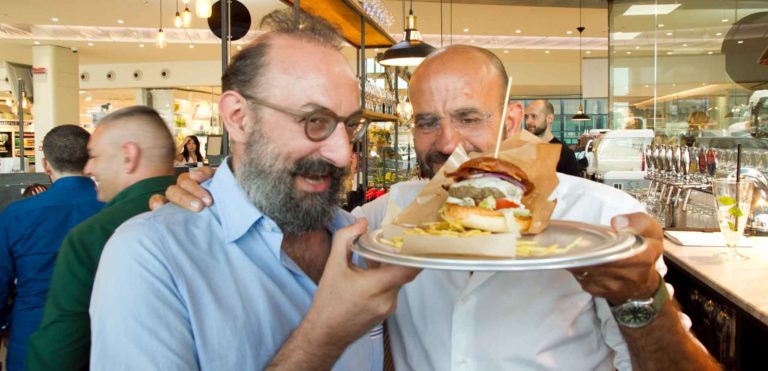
636	313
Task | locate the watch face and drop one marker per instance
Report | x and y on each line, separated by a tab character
634	316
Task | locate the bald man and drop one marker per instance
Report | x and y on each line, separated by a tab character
131	155
539	115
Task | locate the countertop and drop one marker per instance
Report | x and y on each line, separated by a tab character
742	282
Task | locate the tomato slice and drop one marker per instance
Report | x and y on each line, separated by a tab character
503	203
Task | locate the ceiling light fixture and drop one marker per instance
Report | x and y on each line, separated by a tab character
120	21
569	32
90	44
580	115
466	30
518	31
719	34
160	32
655	9
191	46
37	43
660	25
141	45
506	51
411	50
55	19
724	20
177	20
203	8
588	52
546	52
669	33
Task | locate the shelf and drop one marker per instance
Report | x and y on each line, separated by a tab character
376	116
345	14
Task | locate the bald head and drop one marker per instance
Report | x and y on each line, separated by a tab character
144	126
129	145
467	61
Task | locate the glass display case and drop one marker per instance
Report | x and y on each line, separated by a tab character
688	69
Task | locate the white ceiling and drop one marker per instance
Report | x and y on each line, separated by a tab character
536	32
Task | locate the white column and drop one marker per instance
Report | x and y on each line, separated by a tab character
56	91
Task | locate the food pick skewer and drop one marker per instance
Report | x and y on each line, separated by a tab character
738	180
503	118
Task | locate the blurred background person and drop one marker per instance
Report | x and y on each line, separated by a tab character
539	115
31	231
189	152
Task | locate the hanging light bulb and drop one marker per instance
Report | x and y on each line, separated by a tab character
187	16
177	20
24	101
161	38
160	32
203	8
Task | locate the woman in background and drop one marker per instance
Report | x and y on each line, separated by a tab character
189	152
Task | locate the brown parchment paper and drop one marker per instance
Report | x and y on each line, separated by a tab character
537	159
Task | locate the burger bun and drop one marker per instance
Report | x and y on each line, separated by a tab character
483	219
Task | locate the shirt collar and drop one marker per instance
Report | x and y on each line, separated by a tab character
151	185
237	213
71	182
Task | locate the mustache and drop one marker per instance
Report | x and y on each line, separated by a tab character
434	157
317	167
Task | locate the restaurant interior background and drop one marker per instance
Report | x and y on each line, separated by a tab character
638	64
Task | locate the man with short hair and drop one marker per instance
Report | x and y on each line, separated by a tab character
263	278
131	156
31	231
539	115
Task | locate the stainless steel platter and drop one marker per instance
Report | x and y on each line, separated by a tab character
597	245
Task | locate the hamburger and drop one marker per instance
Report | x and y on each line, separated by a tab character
487	194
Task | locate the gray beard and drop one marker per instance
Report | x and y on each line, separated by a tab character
270	185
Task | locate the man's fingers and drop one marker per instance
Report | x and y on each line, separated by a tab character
202	174
183	198
639	223
156	201
193	189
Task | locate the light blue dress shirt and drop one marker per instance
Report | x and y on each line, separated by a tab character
213	290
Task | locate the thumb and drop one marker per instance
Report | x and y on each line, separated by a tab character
344	237
640	224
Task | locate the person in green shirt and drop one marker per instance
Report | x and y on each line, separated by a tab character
131	155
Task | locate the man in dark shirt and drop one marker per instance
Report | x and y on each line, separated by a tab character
31	231
539	115
131	156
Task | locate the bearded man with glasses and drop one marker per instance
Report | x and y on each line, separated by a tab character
244	285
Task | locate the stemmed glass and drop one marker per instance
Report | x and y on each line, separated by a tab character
732	202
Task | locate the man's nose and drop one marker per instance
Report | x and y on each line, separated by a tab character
337	149
447	138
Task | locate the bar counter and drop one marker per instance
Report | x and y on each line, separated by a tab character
727	301
741	282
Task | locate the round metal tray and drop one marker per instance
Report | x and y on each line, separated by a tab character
598	245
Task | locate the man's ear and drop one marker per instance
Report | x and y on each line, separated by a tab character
514	117
234	112
131	157
47	167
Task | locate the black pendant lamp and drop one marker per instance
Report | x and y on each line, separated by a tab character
580	115
411	50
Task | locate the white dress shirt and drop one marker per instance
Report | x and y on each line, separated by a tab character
534	320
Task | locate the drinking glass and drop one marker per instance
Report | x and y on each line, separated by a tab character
732	202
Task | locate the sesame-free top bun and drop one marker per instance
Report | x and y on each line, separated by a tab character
492	165
484	219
